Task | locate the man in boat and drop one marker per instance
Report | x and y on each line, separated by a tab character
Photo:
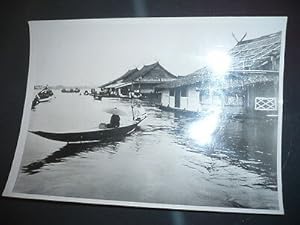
114	119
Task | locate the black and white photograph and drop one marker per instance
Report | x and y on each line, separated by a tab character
177	113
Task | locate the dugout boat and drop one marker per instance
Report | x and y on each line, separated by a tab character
44	95
70	90
97	135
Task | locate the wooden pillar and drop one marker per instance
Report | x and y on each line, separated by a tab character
276	89
248	103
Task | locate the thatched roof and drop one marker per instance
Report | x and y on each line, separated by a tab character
196	77
247	56
252	54
204	76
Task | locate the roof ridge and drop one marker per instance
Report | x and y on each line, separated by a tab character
152	66
259	38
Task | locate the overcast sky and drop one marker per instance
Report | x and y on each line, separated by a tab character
92	52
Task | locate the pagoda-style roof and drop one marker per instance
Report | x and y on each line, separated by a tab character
151	74
119	79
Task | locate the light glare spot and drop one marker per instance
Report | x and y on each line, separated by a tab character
202	130
219	62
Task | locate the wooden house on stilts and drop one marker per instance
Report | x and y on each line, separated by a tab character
250	87
256	63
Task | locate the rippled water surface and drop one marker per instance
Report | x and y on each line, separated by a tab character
158	163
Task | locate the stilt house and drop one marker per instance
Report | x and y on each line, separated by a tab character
250	87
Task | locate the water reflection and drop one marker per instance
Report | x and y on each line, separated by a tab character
247	143
69	151
202	131
158	163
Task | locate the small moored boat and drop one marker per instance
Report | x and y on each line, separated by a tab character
70	90
45	99
89	136
45	95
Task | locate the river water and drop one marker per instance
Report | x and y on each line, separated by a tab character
161	162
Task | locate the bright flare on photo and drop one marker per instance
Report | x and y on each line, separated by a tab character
202	130
219	62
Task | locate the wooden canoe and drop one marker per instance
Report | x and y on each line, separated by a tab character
89	136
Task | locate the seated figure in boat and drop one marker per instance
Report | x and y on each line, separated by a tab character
114	121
